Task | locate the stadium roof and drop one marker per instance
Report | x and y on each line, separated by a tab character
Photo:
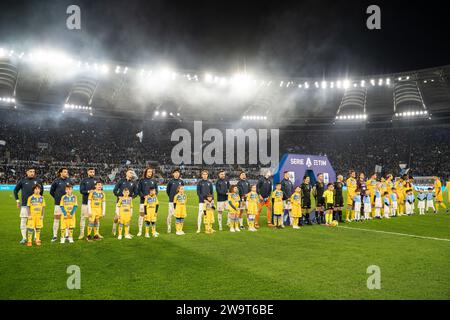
53	81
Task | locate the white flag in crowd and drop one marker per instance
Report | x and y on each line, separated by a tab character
140	135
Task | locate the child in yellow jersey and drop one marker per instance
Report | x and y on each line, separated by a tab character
252	208
36	205
329	203
96	209
69	205
233	205
151	205
179	203
277	205
124	212
296	211
208	213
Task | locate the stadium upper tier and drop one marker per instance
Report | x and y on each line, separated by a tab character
52	81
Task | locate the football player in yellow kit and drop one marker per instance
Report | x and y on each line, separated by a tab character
97	210
151	212
401	195
179	203
447	187
124	211
69	205
252	207
296	202
36	206
351	189
438	194
277	205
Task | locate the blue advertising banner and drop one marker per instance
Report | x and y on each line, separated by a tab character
299	165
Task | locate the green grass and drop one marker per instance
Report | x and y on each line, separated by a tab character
315	262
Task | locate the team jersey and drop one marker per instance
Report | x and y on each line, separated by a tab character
150	203
296	201
371	185
180	200
400	189
36	204
356	198
438	190
394	197
329	196
389	186
410	198
421	196
366	199
338	189
351	187
68	204
233	200
277	198
377	194
208	206
306	192
430	196
386	200
252	199
97	200
125	205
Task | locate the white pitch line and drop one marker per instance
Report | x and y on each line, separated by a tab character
397	233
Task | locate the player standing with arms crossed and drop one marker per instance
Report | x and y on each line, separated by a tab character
57	190
26	185
126	183
222	187
204	188
86	186
146	183
172	190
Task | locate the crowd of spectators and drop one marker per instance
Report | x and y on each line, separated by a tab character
110	145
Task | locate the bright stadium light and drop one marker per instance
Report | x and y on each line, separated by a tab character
363	83
2	52
380	82
316	84
323	84
164	113
208	78
338	84
306	85
346	84
156	113
372	82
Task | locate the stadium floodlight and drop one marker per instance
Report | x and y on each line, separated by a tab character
332	84
288	84
323	84
2	52
11	52
388	81
208	78
363	83
346	84
117	69
299	86
104	69
281	83
306	85
399	78
380	82
156	113
316	84
372	82
425	112
164	113
407	78
171	114
355	85
125	70
178	114
338	84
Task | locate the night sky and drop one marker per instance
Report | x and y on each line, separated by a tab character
289	38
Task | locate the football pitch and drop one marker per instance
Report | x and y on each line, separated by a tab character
315	262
